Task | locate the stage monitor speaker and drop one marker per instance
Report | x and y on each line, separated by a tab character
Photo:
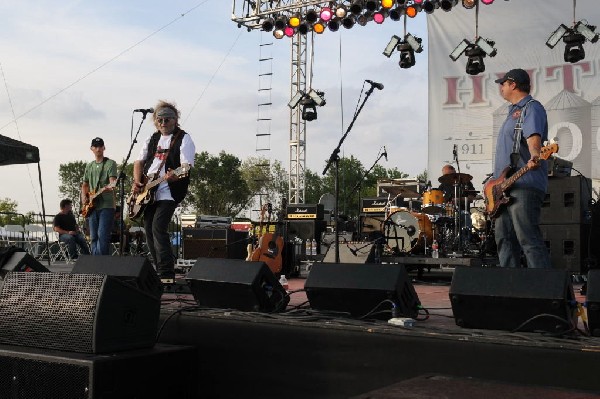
17	260
29	373
593	301
497	298
236	284
134	270
361	290
214	243
89	313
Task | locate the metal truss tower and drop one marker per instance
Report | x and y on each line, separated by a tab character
250	13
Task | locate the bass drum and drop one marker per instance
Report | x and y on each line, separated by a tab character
406	232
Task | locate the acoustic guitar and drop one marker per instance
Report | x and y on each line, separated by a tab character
253	253
495	190
137	203
271	253
92	195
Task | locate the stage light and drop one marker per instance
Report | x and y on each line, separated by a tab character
341	11
468	4
574	51
317	96
447	5
414	42
475	63
268	24
311	16
379	17
333	25
372	5
278	33
588	31
487	2
429	6
326	14
296	99
411	11
407	55
387	3
281	22
418	1
356	7
396	13
487	46
391	46
348	21
294	20
362	20
319	27
289	31
309	110
459	50
556	36
303	28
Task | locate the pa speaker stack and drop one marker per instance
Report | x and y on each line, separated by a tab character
512	299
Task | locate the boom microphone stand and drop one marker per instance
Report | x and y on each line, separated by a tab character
121	183
334	159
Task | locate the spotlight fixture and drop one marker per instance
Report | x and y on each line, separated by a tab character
356	7
278	34
311	16
317	96
412	10
309	101
429	6
487	2
574	38
407	48
309	109
296	99
372	5
334	25
326	14
407	55
447	5
475	52
487	46
397	13
268	24
379	17
391	46
475	64
459	50
387	3
319	27
341	11
415	42
468	4
348	21
295	20
281	22
304	28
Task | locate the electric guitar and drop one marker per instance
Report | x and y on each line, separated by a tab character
271	253
92	195
137	203
495	189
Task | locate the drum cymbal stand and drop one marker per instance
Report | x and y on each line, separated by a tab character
456	202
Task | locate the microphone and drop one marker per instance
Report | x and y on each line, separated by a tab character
353	250
385	153
376	85
144	111
487	177
454	151
428	186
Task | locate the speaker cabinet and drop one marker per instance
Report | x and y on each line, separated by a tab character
236	284
134	270
593	301
567	200
568	244
306	230
512	299
361	289
214	243
89	313
19	261
27	373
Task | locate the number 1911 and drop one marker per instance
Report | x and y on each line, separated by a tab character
473	149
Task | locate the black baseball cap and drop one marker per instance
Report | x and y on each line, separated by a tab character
97	142
516	75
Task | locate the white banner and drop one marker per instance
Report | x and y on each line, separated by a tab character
468	110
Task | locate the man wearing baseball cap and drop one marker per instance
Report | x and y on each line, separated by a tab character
517	226
98	196
167	154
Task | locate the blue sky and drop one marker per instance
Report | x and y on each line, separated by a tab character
74	70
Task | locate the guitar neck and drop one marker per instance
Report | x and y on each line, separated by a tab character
516	176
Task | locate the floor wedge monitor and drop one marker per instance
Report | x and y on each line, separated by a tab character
88	313
362	289
497	298
236	284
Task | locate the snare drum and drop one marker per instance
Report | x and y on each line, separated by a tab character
408	231
433	201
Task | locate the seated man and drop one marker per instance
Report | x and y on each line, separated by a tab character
68	231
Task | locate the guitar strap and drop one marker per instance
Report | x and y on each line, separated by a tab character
517	136
173	140
100	175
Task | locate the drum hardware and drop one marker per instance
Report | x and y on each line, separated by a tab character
455	178
408	232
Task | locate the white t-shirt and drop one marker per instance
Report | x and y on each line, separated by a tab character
187	153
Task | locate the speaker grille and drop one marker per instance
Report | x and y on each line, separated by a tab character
59	302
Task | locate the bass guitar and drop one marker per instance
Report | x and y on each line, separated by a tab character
495	189
92	195
137	203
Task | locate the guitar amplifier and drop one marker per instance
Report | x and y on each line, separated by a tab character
377	204
305	211
214	243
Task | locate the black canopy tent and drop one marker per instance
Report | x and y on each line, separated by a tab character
16	152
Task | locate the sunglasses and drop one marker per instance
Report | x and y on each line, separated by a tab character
163	120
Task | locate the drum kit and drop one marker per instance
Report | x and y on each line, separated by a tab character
459	225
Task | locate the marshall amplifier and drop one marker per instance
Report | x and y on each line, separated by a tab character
305	211
377	205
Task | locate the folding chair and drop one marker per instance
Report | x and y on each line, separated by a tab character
15	235
35	240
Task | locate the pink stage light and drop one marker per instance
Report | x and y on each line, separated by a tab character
326	14
378	18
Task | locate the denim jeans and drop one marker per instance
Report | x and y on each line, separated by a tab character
518	228
157	217
101	223
73	241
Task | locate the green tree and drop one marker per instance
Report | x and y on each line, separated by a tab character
8	212
71	177
217	186
314	187
264	177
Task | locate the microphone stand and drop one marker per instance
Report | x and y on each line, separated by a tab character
334	159
357	188
457	196
121	183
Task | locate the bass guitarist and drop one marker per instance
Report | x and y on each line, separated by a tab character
517	225
165	150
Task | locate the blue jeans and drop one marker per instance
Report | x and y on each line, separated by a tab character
518	228
157	217
101	223
74	241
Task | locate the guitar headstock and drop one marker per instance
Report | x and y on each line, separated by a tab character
548	150
182	171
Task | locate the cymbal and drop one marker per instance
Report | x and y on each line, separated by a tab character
453	178
470	192
401	191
